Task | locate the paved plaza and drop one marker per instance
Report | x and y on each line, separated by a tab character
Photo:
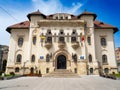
38	83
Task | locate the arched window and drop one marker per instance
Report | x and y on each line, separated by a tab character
90	58
49	39
47	70
19	58
89	40
47	58
74	36
104	58
103	41
106	70
34	40
20	41
17	69
32	70
33	58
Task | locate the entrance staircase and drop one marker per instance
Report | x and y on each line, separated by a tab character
62	73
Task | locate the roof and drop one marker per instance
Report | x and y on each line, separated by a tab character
26	24
21	25
51	15
102	25
37	13
61	13
87	13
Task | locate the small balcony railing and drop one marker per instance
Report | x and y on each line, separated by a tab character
61	44
75	44
48	44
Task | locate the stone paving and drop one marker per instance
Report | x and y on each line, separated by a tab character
38	83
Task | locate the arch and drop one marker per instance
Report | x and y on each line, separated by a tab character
47	58
61	62
19	58
91	70
104	58
33	58
90	58
106	70
89	40
20	41
34	40
34	32
103	41
17	69
47	70
31	70
62	52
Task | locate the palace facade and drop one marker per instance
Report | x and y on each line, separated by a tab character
45	43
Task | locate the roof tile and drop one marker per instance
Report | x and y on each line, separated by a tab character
21	25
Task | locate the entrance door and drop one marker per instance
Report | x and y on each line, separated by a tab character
61	62
32	70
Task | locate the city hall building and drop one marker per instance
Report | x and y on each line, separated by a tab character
45	43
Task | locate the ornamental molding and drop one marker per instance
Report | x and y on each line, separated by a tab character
62	23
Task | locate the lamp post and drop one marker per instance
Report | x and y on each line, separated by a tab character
100	68
24	66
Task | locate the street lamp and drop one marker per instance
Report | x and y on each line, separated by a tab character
24	66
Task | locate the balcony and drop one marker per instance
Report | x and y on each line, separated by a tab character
75	45
61	44
48	45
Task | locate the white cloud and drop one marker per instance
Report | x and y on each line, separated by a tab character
45	6
55	6
6	20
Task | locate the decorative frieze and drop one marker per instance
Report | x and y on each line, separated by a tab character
57	23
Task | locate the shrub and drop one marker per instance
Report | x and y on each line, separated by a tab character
1	73
12	73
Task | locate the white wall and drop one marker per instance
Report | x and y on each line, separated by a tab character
108	49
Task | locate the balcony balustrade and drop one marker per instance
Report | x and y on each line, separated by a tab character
48	44
75	44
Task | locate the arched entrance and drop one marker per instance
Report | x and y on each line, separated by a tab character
61	62
31	70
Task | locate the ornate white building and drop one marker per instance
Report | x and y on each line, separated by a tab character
80	44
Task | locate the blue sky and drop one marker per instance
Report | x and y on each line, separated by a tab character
107	11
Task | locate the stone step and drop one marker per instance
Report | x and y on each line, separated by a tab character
61	73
